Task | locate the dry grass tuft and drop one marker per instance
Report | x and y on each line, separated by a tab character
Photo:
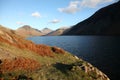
19	63
58	50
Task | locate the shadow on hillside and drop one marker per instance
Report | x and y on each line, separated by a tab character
64	68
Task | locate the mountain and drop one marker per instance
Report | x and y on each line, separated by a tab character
57	32
46	31
22	59
27	31
105	21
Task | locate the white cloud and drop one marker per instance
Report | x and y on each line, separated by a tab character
55	21
36	14
75	6
93	3
20	23
72	8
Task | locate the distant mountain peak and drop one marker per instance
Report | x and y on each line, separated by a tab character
46	31
57	32
26	27
45	28
27	31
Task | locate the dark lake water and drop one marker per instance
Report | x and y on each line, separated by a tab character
101	51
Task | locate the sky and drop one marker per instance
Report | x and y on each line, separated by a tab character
51	14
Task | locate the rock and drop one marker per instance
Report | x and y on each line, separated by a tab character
0	61
85	68
22	77
76	57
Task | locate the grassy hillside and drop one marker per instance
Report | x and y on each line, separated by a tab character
23	60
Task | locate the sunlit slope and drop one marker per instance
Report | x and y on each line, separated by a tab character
21	59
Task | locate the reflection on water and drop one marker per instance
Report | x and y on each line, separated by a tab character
102	51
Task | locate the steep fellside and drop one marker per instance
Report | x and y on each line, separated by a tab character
21	59
27	31
105	21
11	38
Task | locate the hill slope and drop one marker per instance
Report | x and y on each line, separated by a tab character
27	31
46	31
23	60
105	21
57	32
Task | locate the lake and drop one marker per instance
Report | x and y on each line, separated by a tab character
101	51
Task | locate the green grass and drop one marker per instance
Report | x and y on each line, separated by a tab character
59	67
67	58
